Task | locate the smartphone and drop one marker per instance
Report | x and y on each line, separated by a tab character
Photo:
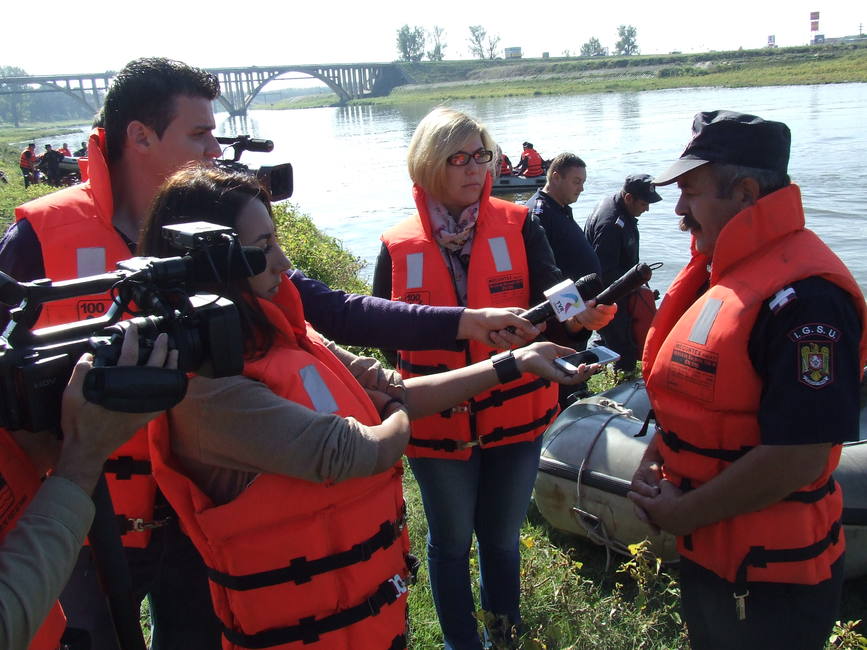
600	354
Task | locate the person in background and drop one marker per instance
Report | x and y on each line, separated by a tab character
45	519
81	151
753	365
551	205
475	463
64	150
288	477
27	163
612	229
505	164
156	118
531	163
49	162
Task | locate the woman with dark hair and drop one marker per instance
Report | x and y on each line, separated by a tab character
287	478
475	464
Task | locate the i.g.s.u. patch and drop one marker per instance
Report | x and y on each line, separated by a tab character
815	345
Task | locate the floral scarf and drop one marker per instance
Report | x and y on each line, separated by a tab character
455	238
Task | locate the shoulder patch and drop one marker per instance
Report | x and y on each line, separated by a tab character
815	351
619	222
816	364
782	298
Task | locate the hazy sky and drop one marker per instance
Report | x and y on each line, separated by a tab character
56	37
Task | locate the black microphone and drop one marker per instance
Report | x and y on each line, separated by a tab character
588	286
625	284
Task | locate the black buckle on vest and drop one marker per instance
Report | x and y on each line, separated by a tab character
124	467
301	570
812	496
309	629
505	432
677	444
760	557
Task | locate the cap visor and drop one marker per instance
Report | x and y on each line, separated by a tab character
654	197
679	168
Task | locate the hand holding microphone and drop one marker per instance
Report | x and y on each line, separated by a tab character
565	304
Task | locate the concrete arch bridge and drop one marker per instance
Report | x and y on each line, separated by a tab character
239	85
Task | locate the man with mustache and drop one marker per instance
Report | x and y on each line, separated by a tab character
752	366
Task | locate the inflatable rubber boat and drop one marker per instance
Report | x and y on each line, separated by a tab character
591	451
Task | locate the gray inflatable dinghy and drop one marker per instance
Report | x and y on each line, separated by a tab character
594	441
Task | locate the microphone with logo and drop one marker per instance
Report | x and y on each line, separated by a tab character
567	299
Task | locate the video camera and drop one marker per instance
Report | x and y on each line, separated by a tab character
163	294
277	178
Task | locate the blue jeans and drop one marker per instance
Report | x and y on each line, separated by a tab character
488	494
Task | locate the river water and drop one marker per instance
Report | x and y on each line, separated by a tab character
350	162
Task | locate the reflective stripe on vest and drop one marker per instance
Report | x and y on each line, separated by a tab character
414	270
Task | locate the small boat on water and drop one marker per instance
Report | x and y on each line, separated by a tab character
590	453
513	184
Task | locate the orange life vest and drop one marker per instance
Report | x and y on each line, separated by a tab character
75	231
27	159
19	482
534	163
498	276
292	563
505	165
705	392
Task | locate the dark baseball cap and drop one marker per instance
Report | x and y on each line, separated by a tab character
641	187
734	139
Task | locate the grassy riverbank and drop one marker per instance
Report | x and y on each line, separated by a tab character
449	80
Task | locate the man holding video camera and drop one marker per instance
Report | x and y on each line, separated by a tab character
42	527
157	117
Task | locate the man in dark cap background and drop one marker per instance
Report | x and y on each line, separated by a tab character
752	366
612	230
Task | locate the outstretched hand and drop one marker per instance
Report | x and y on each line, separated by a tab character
538	358
593	318
500	328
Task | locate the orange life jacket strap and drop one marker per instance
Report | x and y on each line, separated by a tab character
443	444
301	570
499	397
759	556
677	444
420	369
124	467
505	432
308	630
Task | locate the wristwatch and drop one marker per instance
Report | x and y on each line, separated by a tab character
506	367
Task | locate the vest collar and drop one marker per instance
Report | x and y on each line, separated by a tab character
751	230
420	197
286	314
98	177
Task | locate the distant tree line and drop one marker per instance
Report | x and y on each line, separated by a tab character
37	107
411	43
